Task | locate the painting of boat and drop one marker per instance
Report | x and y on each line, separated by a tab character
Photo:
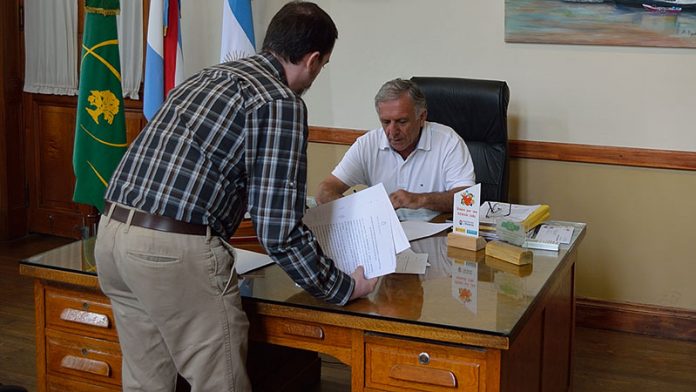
685	5
610	22
663	10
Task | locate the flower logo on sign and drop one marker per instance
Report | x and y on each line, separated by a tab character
467	199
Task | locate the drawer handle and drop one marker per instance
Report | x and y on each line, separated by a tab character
86	365
424	375
83	317
306	331
423	358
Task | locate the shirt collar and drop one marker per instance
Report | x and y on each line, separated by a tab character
275	65
424	143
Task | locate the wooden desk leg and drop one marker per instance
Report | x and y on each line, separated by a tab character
39	309
357	366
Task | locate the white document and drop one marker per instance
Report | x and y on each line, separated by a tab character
417	229
359	229
409	262
248	261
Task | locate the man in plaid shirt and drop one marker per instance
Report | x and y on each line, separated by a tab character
231	139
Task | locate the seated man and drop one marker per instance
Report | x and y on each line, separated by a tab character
421	164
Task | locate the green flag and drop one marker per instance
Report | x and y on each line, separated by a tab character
100	129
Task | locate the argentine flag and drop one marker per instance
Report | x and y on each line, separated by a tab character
237	30
164	60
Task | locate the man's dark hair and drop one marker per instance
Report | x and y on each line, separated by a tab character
300	27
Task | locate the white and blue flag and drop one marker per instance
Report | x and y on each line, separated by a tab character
237	30
164	60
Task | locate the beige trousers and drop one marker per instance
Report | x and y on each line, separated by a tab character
177	308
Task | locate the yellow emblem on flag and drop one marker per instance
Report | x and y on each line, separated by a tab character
105	103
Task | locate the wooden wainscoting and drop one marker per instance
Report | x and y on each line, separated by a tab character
623	156
50	123
565	152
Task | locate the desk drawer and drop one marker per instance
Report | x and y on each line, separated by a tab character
318	337
83	357
88	313
395	365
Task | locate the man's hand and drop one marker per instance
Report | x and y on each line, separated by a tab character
436	201
363	286
404	199
330	189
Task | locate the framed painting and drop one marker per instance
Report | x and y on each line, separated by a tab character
657	23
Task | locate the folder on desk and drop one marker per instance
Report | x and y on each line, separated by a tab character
537	217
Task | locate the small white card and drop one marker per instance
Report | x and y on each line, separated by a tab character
465	211
555	234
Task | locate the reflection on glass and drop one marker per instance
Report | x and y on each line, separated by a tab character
502	265
89	264
436	249
465	284
508	277
509	284
397	295
246	286
67	257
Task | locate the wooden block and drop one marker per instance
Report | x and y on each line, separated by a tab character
465	241
508	252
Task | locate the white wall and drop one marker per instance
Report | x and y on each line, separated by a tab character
602	95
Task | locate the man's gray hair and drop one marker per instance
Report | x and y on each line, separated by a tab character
394	89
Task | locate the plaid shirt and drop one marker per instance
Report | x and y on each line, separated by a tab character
233	138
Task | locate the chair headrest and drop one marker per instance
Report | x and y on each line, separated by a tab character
476	109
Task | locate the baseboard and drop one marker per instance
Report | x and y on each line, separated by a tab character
663	322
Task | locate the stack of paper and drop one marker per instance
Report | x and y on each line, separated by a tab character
493	214
359	229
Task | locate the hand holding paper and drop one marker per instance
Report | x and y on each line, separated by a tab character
363	286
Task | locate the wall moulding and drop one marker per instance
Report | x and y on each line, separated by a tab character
565	152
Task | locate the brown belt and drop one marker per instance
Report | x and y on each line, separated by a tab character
154	222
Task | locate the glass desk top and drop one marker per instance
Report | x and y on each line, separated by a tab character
461	290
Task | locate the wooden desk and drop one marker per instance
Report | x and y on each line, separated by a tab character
468	324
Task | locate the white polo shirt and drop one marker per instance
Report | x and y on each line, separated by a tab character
440	162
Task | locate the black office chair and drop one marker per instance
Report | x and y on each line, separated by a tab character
477	110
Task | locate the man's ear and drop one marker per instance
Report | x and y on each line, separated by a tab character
312	60
423	116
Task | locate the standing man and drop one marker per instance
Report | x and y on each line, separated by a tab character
421	164
230	139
